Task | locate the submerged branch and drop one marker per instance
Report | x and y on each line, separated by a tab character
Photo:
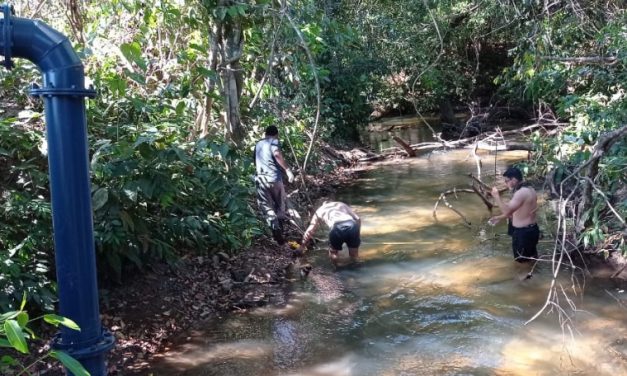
411	152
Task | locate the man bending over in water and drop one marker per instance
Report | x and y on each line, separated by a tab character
521	212
344	227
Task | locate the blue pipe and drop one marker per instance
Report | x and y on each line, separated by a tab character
63	92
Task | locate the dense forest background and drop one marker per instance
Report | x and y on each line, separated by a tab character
186	87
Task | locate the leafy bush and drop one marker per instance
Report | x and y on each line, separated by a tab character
154	198
590	94
25	235
15	334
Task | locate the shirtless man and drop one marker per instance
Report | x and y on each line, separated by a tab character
521	212
344	227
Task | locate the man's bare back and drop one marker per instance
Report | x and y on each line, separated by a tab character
525	215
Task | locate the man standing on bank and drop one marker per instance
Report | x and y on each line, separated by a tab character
344	227
521	213
269	164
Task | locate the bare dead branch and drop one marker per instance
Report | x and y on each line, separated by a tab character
485	200
448	205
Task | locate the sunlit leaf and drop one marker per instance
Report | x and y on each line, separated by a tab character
22	319
15	336
57	320
132	52
70	363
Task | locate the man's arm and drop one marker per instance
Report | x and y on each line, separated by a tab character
278	156
315	220
508	208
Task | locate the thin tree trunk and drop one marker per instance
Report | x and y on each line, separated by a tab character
203	116
232	79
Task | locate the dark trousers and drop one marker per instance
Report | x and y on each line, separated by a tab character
524	242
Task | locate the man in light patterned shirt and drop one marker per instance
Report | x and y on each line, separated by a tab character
344	227
271	168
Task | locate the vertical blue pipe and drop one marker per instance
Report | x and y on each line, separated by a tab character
63	94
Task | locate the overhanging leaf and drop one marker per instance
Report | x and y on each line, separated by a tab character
70	363
57	320
15	336
100	198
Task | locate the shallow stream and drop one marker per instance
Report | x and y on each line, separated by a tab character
431	297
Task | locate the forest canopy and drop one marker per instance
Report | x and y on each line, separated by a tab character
185	88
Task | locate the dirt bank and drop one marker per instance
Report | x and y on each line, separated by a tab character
149	311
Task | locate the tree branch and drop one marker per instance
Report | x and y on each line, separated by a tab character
583	60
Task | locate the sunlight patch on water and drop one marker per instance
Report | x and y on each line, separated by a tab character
587	348
403	220
191	355
466	275
344	366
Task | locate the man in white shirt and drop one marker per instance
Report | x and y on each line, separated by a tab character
344	227
270	167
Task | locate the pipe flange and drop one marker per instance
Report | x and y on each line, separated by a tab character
104	343
58	92
7	12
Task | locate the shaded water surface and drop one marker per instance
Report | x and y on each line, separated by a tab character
430	298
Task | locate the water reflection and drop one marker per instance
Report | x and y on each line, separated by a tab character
431	298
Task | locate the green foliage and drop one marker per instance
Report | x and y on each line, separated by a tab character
575	63
15	335
161	188
25	235
153	197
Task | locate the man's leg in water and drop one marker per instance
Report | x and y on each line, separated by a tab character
353	241
353	253
333	255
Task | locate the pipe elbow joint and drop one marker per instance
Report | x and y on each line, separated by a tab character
41	44
47	48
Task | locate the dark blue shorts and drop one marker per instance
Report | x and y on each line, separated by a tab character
344	232
524	242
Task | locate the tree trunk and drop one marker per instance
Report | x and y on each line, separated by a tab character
76	19
225	50
203	115
232	78
411	152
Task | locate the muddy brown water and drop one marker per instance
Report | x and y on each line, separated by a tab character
431	297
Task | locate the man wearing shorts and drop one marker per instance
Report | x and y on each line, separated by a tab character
521	212
344	227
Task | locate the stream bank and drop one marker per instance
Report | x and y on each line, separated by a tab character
147	312
154	310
